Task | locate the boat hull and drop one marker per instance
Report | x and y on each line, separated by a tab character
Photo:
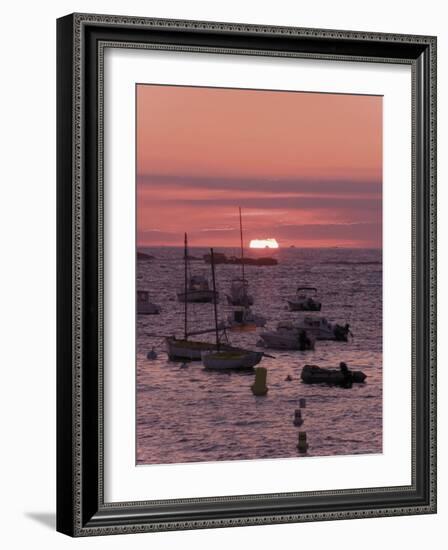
304	305
235	361
197	296
279	341
148	309
316	375
189	350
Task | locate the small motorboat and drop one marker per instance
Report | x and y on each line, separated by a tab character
198	291
243	318
144	306
322	329
288	336
305	300
312	374
231	360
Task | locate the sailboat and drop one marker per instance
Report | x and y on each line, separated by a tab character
226	359
184	349
242	318
239	295
196	289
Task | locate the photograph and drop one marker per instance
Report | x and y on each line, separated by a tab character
259	274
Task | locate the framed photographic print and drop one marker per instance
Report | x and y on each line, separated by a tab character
246	274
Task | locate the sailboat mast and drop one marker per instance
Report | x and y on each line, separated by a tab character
212	258
185	287
242	248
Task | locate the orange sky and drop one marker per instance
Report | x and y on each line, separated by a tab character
305	167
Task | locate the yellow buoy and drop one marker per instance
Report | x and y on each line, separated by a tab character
259	387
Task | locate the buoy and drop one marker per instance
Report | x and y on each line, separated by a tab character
302	444
152	354
184	365
259	386
298	420
288	378
302	403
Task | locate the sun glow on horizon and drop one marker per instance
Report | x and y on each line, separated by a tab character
263	243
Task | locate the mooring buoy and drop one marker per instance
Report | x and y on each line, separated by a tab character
259	387
151	354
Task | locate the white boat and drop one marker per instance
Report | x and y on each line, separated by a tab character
239	295
144	306
288	336
305	300
243	318
321	329
231	360
198	291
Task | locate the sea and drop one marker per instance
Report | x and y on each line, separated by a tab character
188	414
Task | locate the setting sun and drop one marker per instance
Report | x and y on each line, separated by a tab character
263	243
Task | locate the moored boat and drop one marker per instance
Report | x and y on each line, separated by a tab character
144	306
243	318
322	329
198	291
190	350
288	336
222	359
239	295
227	360
305	300
312	374
184	349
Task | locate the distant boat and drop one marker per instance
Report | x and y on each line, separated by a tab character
222	359
239	295
289	336
196	288
144	256
305	300
234	260
144	306
243	318
198	291
239	290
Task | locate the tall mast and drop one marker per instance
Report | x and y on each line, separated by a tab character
241	243
185	287
212	258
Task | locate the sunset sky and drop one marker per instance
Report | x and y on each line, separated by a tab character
306	168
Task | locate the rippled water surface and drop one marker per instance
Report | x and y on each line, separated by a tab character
187	414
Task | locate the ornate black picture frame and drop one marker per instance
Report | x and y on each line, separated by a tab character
81	509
